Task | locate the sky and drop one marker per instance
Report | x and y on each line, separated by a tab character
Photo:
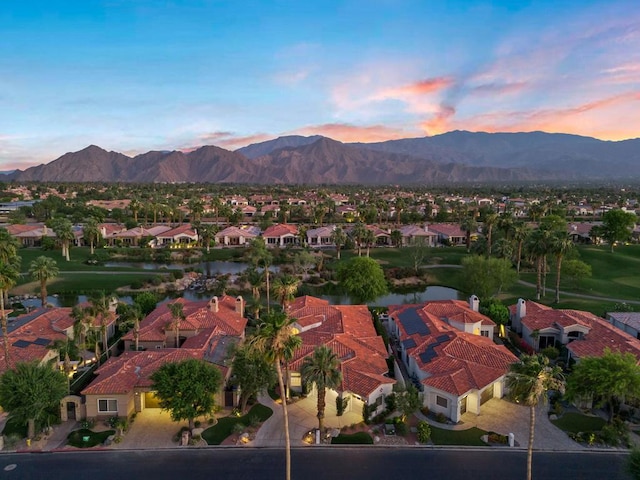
139	75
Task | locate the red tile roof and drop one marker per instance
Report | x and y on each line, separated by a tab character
457	361
348	330
280	230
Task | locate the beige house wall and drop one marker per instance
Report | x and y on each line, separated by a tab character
125	405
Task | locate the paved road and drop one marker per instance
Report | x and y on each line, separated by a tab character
312	463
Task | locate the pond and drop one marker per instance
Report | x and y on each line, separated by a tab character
428	294
214	267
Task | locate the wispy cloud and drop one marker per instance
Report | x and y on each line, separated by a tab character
232	141
345	132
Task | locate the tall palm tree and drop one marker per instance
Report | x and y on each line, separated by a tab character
368	238
468	225
43	269
177	313
561	244
135	206
9	246
285	288
8	277
490	220
260	256
338	237
538	246
528	382
357	233
276	340
321	368
91	232
99	309
520	234
207	233
64	232
81	326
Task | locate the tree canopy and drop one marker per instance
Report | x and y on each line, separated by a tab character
362	278
612	376
186	389
31	393
252	373
616	226
486	277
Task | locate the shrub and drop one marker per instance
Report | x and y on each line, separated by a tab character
551	353
366	413
424	432
238	428
425	411
390	402
441	417
197	424
254	421
401	426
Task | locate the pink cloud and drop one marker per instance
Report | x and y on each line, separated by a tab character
345	132
230	140
421	87
440	122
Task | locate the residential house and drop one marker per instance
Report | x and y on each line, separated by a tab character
123	384
628	322
182	235
134	236
30	235
581	232
583	333
321	236
383	237
448	350
416	235
273	209
235	236
349	332
281	235
450	234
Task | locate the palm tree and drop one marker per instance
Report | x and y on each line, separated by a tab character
261	257
520	234
276	340
468	225
80	326
177	313
134	206
369	238
490	219
9	253
64	232
561	244
91	232
338	237
322	367
538	246
396	238
99	308
8	277
358	234
42	269
207	233
528	383
285	288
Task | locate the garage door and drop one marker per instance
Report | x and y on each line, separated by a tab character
151	401
487	394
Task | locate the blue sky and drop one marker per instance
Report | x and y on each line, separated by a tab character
137	75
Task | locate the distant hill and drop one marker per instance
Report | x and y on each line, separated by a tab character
448	158
582	157
256	150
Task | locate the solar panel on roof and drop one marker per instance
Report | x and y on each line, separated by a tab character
428	355
21	344
408	343
442	338
42	341
412	322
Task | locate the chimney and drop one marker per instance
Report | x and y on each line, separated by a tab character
240	305
213	305
474	303
44	230
103	232
521	309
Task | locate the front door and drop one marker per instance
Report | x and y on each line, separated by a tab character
71	411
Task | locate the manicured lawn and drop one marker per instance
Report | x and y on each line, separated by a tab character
215	435
471	436
76	438
573	422
358	438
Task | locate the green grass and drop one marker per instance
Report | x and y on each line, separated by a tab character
75	438
576	422
470	437
358	438
215	435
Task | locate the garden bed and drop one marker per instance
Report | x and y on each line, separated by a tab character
225	427
85	438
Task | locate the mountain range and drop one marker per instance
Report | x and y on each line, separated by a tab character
453	157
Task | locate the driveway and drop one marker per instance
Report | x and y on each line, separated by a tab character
152	428
504	417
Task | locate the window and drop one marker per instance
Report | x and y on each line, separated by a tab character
441	401
484	333
107	405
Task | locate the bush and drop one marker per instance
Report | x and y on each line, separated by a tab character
551	353
441	417
424	432
238	428
400	425
425	411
